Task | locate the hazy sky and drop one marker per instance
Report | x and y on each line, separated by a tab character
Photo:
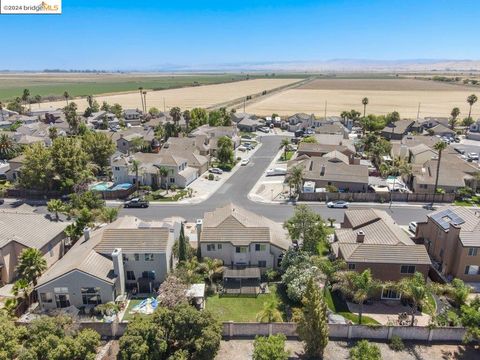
146	34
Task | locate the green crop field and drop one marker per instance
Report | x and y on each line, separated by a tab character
53	85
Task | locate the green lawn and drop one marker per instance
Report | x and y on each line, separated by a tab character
339	306
432	308
475	200
239	308
131	305
288	157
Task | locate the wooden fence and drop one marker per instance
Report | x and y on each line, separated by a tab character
378	197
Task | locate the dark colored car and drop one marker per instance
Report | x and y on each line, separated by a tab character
2	201
136	203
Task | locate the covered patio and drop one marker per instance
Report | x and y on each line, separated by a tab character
241	281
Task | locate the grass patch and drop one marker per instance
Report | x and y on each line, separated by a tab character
474	200
338	305
288	156
242	309
160	195
432	305
133	302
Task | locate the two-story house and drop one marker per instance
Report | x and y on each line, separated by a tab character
452	238
241	238
110	261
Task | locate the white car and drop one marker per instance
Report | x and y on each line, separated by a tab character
413	227
338	204
216	171
241	148
276	171
244	162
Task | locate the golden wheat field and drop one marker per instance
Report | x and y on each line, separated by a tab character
185	98
385	95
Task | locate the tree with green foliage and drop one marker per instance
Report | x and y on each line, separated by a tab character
26	96
364	103
439	147
55	206
364	350
211	268
105	106
392	117
306	228
37	168
417	290
117	110
187	117
225	152
109	214
329	269
295	179
52	133
163	172
10	338
66	96
176	115
309	140
71	117
198	117
24	287
312	325
270	348
270	312
470	318
16	106
99	148
472	99
182	245
359	286
285	144
31	264
8	147
87	199
454	115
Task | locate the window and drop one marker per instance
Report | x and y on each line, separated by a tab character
472	270
210	247
172	180
407	269
117	168
351	266
60	290
262	263
390	294
91	296
260	247
62	300
130	275
124	257
46	297
219	246
148	257
137	257
149	275
241	249
472	252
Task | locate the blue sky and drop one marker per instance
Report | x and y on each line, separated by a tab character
104	34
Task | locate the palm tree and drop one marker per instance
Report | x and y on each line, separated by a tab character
187	117
270	312
472	99
55	206
135	168
455	112
296	178
416	289
365	103
22	286
476	181
145	101
66	95
140	89
360	286
285	144
109	214
211	267
439	146
176	114
163	172
8	147
30	265
38	100
25	96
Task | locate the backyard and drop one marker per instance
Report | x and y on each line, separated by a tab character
338	305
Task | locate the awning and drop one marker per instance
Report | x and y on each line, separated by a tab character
247	273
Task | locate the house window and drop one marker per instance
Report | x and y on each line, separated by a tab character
149	275
351	266
260	247
407	269
148	257
60	290
472	270
219	246
91	296
262	263
472	252
390	294
241	249
172	180
130	275
46	297
137	257
124	257
62	300
117	168
210	247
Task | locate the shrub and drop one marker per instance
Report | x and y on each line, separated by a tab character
211	177
396	343
364	350
270	348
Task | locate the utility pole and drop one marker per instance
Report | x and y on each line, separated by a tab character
418	111
164	110
325	118
244	101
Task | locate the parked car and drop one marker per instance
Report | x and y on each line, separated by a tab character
276	171
136	203
413	227
459	150
2	201
264	129
473	156
244	162
338	204
216	171
241	148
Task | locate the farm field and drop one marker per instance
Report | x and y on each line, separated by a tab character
385	95
186	97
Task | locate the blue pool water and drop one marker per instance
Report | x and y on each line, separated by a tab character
105	187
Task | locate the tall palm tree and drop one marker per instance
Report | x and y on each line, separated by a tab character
140	89
176	114
187	117
285	144
24	287
30	265
8	147
270	312
365	103
66	95
455	112
360	286
416	289
25	96
211	267
439	146
55	206
163	172
472	99
135	168
109	214
296	178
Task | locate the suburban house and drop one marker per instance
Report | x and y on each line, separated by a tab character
239	116
402	148
179	173
23	228
105	263
474	131
430	122
333	169
132	116
420	154
300	121
15	166
198	144
370	239
241	238
98	118
332	129
318	150
451	236
249	124
454	174
442	130
397	130
127	140
216	132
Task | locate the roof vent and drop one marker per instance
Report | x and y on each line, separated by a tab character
360	236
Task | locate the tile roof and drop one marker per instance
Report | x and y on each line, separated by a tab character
140	240
385	254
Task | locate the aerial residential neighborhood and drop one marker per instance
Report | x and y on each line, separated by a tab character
245	180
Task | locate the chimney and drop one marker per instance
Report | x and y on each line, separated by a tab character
198	226
360	236
117	258
86	233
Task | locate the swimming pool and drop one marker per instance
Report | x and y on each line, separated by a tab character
100	187
105	186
